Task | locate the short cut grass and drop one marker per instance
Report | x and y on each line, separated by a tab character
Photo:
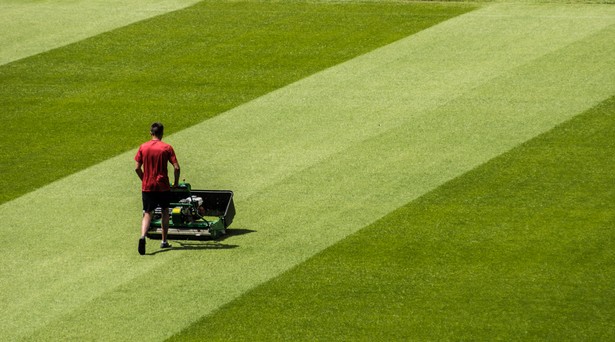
519	248
180	68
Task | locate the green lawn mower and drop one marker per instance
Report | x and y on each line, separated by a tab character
195	214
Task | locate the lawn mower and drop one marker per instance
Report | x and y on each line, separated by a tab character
195	214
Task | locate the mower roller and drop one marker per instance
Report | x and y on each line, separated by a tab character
195	214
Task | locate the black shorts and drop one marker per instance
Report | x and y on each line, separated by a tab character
153	199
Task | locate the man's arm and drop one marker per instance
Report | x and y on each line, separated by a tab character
176	172
139	170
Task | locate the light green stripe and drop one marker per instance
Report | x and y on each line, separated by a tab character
31	27
310	164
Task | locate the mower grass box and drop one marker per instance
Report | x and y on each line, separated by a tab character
195	214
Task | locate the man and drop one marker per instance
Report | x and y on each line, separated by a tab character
151	167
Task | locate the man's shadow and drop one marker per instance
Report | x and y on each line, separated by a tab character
196	243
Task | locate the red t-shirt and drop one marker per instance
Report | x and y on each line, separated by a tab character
155	155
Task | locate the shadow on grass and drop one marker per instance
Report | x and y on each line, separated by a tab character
235	232
195	243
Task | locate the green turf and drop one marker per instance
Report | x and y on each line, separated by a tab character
78	243
520	248
79	105
311	163
32	27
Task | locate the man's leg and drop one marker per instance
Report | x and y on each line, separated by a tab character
165	200
147	219
148	208
164	223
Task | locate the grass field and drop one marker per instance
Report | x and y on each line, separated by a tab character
519	248
31	27
419	171
183	68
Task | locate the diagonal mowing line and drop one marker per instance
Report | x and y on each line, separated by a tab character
310	164
29	28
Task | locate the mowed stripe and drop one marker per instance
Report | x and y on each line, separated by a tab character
310	164
29	28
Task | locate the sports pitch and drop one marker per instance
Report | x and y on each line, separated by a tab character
402	171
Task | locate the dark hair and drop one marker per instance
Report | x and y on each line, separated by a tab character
157	129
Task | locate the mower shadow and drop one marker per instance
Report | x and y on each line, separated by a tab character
197	244
235	232
194	245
